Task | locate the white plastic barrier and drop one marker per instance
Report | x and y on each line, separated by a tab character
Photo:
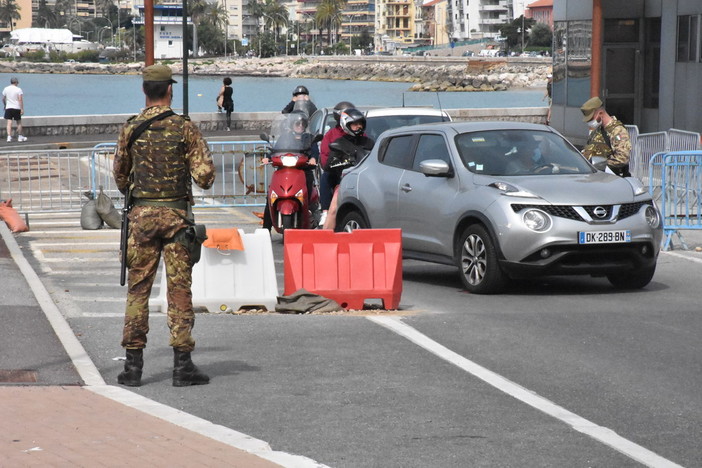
232	279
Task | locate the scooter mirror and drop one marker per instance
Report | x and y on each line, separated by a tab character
317	138
264	137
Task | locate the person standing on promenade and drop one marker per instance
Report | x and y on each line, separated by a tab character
13	100
157	165
225	98
608	137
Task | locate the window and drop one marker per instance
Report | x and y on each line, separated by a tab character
398	152
688	38
430	147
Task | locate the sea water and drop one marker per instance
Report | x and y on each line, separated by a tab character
79	94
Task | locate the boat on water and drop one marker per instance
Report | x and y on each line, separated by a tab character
27	40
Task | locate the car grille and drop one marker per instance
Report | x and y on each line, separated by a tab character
566	211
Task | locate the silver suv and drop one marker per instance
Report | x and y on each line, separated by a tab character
503	200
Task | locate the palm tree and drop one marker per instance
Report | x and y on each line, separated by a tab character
215	14
104	6
9	11
46	16
329	16
277	13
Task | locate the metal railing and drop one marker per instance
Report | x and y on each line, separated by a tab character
680	192
62	180
648	147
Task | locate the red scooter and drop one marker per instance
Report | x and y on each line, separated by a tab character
288	201
288	205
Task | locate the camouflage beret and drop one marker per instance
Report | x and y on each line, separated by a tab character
158	73
588	109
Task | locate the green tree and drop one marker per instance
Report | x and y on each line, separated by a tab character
9	12
513	32
540	35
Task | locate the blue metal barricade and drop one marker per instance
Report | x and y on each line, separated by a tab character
681	192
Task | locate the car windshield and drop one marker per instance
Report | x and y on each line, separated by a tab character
519	152
378	124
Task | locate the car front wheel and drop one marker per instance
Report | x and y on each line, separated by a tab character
632	280
477	262
352	221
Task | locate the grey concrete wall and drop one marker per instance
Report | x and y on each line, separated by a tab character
253	121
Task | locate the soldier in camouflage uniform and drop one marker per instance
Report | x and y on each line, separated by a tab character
158	167
608	137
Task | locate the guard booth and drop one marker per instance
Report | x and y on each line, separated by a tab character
642	57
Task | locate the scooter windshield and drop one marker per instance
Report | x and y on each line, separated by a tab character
290	133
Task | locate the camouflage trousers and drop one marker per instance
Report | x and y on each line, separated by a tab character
151	230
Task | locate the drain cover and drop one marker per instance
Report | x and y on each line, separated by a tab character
17	376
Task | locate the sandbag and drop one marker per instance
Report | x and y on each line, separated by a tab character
107	211
13	220
90	220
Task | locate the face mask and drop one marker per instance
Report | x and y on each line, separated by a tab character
594	124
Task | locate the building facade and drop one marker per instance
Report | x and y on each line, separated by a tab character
647	70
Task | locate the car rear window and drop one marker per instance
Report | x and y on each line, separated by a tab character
377	125
519	152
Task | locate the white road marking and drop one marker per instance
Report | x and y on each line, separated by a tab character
685	257
580	424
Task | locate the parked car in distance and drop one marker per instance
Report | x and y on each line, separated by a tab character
501	201
380	119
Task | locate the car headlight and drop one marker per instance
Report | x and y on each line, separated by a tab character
536	220
652	217
511	191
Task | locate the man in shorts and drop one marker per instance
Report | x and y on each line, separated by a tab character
13	101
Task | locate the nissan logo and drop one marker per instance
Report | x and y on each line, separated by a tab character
600	212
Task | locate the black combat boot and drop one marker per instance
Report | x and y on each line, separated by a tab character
185	373
131	375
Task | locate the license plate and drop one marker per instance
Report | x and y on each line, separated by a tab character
604	237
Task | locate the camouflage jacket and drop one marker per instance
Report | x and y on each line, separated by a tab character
616	150
164	157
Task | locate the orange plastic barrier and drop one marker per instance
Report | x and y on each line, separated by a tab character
224	239
347	267
11	217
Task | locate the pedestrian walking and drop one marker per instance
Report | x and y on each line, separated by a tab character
13	100
608	137
158	156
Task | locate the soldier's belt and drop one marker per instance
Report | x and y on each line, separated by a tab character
177	204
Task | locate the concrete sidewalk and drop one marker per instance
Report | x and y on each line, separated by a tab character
58	411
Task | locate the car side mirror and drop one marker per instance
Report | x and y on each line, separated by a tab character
599	162
435	168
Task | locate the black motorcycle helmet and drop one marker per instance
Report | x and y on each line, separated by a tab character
349	116
301	90
295	117
339	107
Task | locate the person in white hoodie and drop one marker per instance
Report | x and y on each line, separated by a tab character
13	100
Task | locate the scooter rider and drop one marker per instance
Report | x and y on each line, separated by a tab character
300	93
297	139
345	152
329	180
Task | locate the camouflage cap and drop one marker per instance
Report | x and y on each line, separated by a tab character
158	73
588	109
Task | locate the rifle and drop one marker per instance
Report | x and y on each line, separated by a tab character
124	238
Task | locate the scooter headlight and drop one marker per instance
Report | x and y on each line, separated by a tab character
300	196
288	160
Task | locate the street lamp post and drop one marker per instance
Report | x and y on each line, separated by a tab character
102	30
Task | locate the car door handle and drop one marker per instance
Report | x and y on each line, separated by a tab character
406	188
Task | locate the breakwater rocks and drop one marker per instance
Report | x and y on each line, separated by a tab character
435	74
